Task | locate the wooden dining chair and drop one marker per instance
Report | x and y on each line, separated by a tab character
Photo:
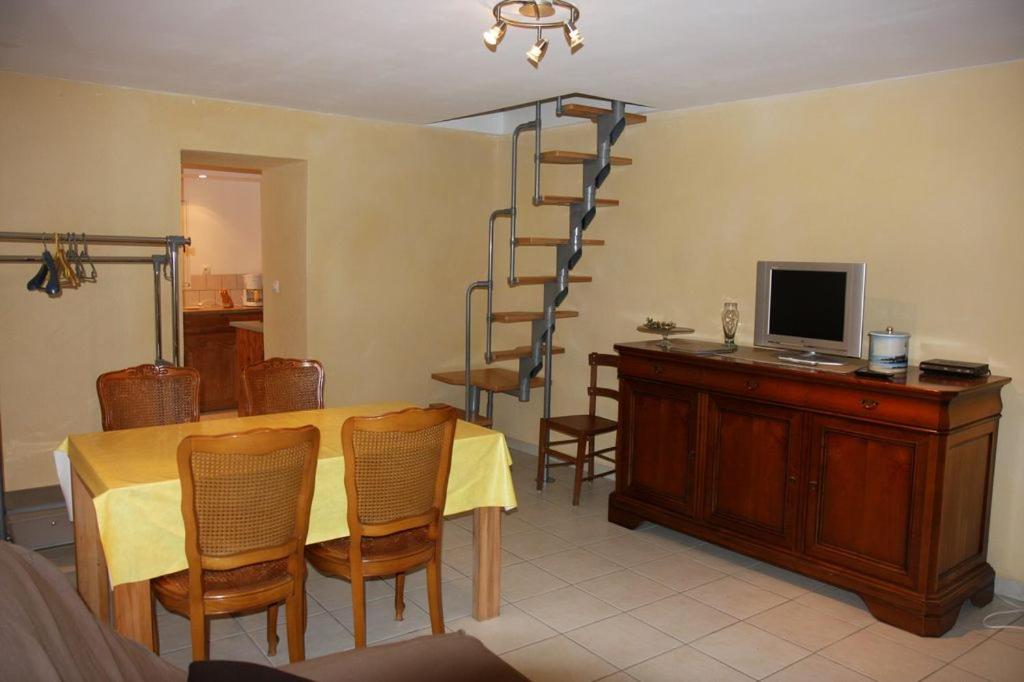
148	395
582	429
281	385
245	499
396	480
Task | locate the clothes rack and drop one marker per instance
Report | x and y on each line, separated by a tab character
165	265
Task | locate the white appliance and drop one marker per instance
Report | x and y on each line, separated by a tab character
252	294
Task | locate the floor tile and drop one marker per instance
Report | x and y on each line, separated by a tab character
567	609
953	674
1012	636
778	580
235	648
544	514
586	529
417	578
627	550
511	630
817	669
534	544
971	617
335	593
684	618
880	658
576	565
666	538
950	646
844	606
623	640
618	677
625	590
719	558
175	633
324	635
752	651
512	524
803	626
524	580
737	598
685	663
994	661
462	559
380	620
258	620
558	659
456	598
679	572
456	536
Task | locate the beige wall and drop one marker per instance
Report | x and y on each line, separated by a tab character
222	216
921	178
384	219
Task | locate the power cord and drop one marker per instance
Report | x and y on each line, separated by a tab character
1016	611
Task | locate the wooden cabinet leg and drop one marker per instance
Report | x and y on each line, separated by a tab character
133	613
487	562
90	563
622	517
984	596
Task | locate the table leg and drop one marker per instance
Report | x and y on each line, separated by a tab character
487	562
90	563
133	613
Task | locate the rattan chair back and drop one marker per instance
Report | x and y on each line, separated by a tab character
245	497
148	395
396	470
282	385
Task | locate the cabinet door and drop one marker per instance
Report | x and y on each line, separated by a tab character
753	464
213	354
660	437
865	497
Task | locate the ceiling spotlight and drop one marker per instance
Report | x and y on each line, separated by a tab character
494	35
537	52
202	176
573	36
539	15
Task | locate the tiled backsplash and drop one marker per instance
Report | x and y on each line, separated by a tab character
205	290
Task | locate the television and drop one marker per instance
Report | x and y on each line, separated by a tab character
812	311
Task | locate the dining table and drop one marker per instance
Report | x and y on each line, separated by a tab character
126	499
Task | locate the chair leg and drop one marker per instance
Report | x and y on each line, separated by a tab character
590	459
293	607
359	610
272	638
200	637
400	596
542	447
581	461
434	595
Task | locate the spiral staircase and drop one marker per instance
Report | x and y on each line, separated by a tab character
531	358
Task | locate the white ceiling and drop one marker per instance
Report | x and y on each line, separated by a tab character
424	61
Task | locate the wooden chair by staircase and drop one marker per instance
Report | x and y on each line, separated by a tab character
582	429
396	481
282	385
245	499
148	395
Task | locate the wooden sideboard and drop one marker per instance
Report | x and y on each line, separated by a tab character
878	487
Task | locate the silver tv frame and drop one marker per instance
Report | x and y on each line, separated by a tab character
810	349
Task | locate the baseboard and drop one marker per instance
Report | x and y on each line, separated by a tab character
1010	588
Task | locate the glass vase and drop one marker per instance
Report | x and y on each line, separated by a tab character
730	322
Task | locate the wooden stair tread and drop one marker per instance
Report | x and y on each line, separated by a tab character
559	200
494	379
553	241
544	279
587	111
481	420
560	156
523	316
521	352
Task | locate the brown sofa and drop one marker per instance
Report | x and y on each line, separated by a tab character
47	633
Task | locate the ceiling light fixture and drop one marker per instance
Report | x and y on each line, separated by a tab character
202	176
539	15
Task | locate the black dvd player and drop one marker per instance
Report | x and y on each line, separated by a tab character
955	368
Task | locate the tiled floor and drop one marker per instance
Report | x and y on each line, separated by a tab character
588	600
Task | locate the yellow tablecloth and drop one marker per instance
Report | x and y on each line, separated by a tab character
133	475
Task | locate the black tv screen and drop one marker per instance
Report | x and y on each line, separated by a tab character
809	304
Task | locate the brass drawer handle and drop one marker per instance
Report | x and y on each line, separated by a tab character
658	369
868	403
814	486
752	385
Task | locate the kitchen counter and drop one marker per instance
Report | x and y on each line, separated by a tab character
227	311
251	326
